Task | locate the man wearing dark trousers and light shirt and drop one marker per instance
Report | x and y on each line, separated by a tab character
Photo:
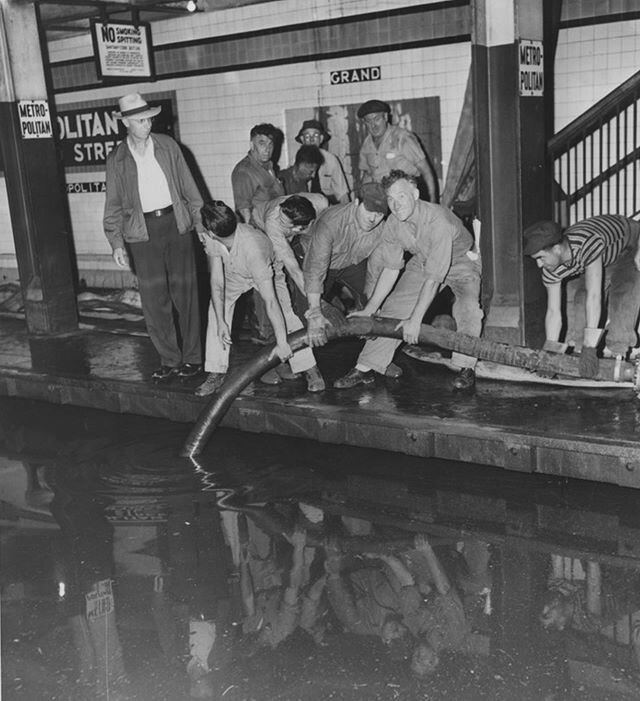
599	253
153	204
441	256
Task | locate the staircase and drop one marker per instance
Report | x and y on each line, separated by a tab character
595	159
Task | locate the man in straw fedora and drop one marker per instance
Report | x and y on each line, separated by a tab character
152	205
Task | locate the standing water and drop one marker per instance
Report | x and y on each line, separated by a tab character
282	569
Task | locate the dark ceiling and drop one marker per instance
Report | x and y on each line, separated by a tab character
65	18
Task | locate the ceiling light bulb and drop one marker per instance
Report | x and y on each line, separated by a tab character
192	6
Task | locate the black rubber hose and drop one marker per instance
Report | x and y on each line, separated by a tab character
366	327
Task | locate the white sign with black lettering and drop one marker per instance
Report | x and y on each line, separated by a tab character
123	49
531	68
355	75
35	122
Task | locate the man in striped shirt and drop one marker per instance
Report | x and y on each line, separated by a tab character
602	252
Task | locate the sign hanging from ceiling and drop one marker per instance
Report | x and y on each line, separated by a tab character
123	50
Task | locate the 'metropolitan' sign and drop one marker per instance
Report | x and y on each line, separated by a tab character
35	122
531	75
123	49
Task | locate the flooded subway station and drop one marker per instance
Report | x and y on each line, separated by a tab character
281	568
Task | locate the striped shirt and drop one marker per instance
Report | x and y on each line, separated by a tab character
602	237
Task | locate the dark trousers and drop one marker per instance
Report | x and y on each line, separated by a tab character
165	266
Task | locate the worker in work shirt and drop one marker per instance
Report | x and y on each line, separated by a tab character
442	255
602	252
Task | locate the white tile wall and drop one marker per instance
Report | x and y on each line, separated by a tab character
590	62
216	112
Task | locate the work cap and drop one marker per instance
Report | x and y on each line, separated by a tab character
373	197
372	106
541	235
133	105
311	124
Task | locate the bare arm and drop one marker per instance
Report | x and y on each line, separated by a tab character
440	578
593	283
292	266
216	278
553	317
411	326
384	285
274	312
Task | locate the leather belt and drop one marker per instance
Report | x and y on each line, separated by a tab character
159	212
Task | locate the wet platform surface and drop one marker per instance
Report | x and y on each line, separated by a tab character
130	574
589	434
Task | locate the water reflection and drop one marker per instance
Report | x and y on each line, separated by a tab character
281	569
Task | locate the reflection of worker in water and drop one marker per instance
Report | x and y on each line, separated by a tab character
389	603
275	613
602	253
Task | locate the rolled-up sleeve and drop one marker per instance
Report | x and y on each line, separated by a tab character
318	258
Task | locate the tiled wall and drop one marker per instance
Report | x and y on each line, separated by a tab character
590	62
217	107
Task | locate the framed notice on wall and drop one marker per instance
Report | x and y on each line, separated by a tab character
123	50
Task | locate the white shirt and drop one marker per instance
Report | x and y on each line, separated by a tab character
152	182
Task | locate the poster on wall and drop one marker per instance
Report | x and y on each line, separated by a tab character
87	135
347	132
123	50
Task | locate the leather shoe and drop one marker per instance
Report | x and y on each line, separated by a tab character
465	380
315	381
354	377
393	371
188	370
164	373
211	384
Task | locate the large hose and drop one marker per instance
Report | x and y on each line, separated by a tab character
517	356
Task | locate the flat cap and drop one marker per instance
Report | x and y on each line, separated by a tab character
541	235
372	106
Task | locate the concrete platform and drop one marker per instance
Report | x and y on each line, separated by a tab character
588	434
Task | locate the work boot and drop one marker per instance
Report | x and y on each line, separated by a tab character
393	371
271	377
465	380
354	377
211	384
315	381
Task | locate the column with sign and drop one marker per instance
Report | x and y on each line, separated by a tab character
509	124
33	176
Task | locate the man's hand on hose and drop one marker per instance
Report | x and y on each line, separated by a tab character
589	363
316	327
551	347
410	330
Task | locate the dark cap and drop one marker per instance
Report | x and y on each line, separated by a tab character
372	106
311	124
541	235
373	197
